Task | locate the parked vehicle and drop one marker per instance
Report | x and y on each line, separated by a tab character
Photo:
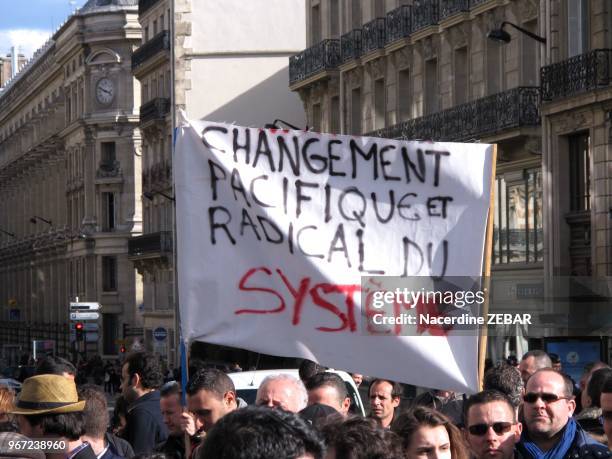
247	383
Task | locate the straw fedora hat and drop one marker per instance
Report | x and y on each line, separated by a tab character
51	394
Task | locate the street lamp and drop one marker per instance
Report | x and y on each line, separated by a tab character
35	218
151	194
502	36
274	125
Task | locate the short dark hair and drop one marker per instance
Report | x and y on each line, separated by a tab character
542	359
410	421
147	367
308	369
554	358
595	386
487	396
69	425
397	390
50	365
212	380
568	384
507	380
95	414
361	438
607	386
258	432
170	388
328	380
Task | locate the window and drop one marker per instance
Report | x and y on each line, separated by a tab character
517	228
404	102
379	103
577	27
432	93
109	274
529	56
355	14
461	76
356	111
315	25
108	155
494	68
334	18
335	115
580	172
379	8
110	330
108	211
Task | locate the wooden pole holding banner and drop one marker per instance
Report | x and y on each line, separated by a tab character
482	342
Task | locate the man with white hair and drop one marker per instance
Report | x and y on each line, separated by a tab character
282	391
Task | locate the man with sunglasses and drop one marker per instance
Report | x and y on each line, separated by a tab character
492	429
550	431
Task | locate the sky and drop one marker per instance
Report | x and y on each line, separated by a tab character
28	23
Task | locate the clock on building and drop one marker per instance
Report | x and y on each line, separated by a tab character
105	91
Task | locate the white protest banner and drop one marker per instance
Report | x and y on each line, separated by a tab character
275	229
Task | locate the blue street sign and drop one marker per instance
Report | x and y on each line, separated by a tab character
160	334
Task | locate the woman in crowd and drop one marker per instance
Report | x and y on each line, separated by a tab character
427	434
7	403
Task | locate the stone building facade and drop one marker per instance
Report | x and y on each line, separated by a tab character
424	69
70	179
223	61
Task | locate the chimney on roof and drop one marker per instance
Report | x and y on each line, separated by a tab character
14	61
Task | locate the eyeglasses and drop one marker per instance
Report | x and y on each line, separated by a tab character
498	427
532	397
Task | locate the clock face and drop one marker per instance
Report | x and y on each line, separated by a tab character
105	91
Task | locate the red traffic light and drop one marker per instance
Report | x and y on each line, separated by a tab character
122	349
78	326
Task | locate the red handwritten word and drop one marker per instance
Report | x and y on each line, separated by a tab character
338	299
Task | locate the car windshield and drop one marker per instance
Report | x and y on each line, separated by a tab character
248	395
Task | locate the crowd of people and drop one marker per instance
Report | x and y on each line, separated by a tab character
528	409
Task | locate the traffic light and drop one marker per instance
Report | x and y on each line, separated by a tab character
79	331
122	349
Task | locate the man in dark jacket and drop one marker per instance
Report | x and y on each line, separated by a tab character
96	420
141	376
550	431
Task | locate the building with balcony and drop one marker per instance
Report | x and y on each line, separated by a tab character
70	181
424	69
224	61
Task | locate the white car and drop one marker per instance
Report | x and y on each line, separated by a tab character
247	383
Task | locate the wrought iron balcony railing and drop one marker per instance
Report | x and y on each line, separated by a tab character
486	116
155	109
108	169
150	244
374	35
424	13
160	42
450	7
325	55
297	68
577	74
399	23
351	45
145	5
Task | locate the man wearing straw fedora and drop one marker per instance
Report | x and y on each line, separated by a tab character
49	412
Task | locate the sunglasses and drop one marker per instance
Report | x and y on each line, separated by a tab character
532	397
498	427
